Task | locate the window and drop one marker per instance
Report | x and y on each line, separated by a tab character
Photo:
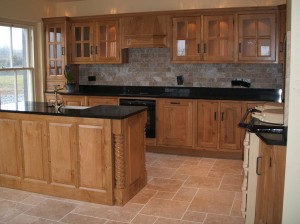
16	64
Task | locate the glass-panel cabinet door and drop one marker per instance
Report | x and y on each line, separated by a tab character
55	50
218	38
82	42
107	41
257	37
186	39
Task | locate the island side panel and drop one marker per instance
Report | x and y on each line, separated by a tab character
64	146
129	149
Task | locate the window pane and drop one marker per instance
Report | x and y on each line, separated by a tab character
7	86
5	53
19	45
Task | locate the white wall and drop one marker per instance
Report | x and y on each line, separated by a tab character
97	7
291	214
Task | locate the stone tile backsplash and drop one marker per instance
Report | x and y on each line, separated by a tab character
152	67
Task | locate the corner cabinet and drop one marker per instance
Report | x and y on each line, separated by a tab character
175	122
257	37
217	125
96	42
56	49
213	41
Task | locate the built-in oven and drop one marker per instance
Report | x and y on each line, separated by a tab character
150	104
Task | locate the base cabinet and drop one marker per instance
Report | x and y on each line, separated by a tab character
175	122
217	125
270	183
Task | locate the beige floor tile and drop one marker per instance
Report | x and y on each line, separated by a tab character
185	194
236	208
194	216
207	162
165	208
14	195
164	195
119	214
203	182
231	182
221	219
52	209
193	170
238	196
174	221
33	200
215	174
227	187
168	163
143	196
177	176
227	166
80	219
162	184
9	210
144	219
23	219
212	201
162	172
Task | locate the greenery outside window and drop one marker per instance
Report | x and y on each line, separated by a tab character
16	64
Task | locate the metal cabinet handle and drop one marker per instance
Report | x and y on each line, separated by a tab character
198	48
222	116
174	102
258	160
215	115
63	51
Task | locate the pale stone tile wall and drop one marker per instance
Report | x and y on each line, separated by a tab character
152	67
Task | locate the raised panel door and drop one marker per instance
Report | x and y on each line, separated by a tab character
10	162
230	133
63	153
35	154
218	38
70	100
95	101
175	122
83	42
95	167
257	37
186	39
207	124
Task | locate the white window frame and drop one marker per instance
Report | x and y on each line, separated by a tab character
30	64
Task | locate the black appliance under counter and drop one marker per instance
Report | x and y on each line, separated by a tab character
103	111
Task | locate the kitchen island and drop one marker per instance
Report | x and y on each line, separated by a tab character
95	154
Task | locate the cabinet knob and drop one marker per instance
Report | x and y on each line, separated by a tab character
198	48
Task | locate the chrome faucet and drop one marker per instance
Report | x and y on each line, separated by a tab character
57	105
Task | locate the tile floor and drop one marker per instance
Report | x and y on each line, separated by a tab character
180	190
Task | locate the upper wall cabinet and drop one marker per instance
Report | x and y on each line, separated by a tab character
56	50
212	41
257	37
96	42
145	31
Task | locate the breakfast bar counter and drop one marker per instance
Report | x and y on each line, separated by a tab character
92	154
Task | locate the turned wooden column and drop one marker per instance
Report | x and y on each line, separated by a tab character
119	161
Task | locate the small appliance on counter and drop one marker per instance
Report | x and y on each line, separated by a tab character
241	83
266	119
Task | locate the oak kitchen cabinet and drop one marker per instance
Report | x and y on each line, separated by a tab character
257	37
56	50
270	183
80	100
96	41
212	41
99	100
217	125
74	100
175	122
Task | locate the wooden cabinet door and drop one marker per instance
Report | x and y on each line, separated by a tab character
186	39
257	37
207	124
230	133
175	122
95	101
282	35
107	43
218	38
82	42
70	100
56	51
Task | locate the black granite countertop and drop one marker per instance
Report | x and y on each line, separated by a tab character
247	94
103	111
273	139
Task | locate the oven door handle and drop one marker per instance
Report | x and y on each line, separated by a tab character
243	123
